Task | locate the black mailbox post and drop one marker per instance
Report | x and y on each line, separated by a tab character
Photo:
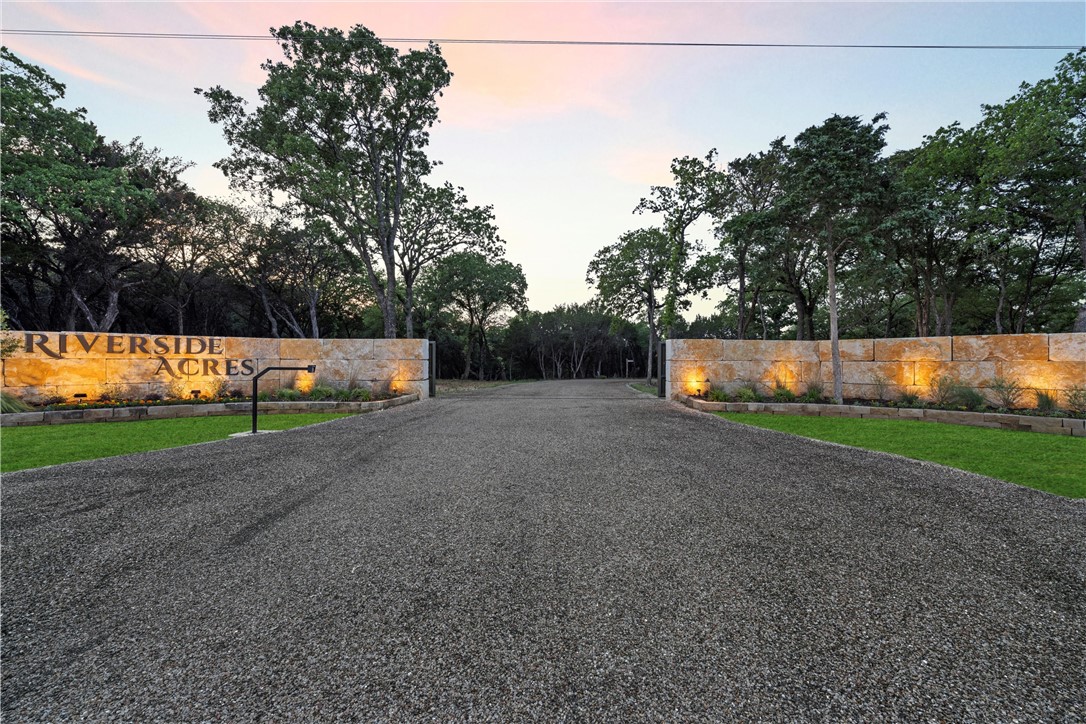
310	369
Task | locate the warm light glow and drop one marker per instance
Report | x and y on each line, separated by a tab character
304	382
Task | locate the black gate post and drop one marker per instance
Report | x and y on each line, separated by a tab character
433	368
661	371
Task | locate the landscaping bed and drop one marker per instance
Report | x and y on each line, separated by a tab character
1007	421
200	409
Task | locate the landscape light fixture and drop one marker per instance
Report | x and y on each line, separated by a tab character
195	394
308	368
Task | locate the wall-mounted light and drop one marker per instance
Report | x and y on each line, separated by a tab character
195	394
80	395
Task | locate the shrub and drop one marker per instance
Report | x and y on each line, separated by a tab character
718	395
235	393
1046	403
263	396
114	393
360	394
342	395
1076	400
11	403
881	383
970	398
287	394
943	389
814	392
908	399
783	394
1008	393
176	390
322	391
214	388
153	397
746	393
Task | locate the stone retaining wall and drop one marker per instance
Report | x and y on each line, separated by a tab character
1050	362
210	409
1049	425
133	366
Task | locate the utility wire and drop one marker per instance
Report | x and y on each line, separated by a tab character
513	41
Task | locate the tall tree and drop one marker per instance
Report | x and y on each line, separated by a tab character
837	184
481	289
630	276
341	130
697	188
436	221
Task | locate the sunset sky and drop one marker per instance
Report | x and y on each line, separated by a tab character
564	141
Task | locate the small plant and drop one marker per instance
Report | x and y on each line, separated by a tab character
943	389
11	403
1008	393
287	394
908	399
153	397
177	390
235	393
1076	399
263	396
114	393
718	395
1046	403
322	391
360	394
342	395
781	393
814	392
881	383
746	393
970	398
215	388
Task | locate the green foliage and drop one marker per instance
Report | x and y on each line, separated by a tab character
341	395
1008	392
969	398
1046	403
287	394
942	389
115	393
12	403
781	393
31	447
263	396
1053	463
341	129
908	399
9	343
813	393
360	394
718	394
881	384
1076	399
321	391
746	393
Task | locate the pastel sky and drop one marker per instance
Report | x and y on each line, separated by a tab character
563	141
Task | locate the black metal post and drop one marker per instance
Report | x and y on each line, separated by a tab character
661	371
433	369
309	368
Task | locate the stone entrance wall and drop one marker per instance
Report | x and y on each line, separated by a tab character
1050	362
63	364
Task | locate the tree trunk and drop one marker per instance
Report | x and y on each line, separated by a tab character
835	345
1080	232
741	321
409	310
388	306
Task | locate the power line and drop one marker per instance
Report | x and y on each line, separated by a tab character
514	41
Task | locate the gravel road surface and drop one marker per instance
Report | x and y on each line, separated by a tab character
541	552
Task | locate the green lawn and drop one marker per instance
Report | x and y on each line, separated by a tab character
1053	463
32	447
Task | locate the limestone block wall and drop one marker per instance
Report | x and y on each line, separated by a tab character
1053	363
63	364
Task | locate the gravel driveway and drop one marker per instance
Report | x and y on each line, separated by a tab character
552	551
